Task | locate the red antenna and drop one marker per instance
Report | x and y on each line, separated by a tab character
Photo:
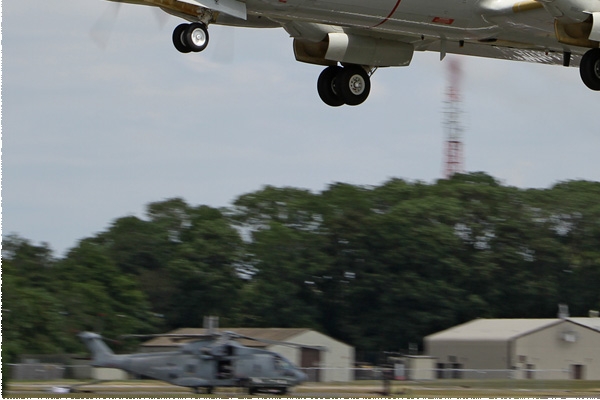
453	129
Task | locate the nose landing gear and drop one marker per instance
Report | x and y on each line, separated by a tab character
349	85
190	37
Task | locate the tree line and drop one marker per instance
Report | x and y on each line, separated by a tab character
377	267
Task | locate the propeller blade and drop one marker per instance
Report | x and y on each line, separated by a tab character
102	29
161	17
224	45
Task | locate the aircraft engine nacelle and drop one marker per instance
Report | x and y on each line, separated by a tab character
574	10
585	33
354	49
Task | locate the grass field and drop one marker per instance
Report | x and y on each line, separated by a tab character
430	389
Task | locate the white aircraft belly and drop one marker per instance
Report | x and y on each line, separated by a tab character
449	19
418	16
361	13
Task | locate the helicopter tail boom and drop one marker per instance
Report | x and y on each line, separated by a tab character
102	355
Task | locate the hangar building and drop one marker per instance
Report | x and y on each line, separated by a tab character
557	348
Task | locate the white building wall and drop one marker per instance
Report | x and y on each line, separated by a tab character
420	368
550	353
109	374
337	360
470	353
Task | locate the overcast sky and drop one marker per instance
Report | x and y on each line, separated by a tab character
90	135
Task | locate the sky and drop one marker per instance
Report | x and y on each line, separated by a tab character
92	133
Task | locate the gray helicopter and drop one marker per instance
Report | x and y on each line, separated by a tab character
207	361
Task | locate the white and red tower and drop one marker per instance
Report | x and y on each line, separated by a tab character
453	157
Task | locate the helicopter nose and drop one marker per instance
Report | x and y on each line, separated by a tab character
301	377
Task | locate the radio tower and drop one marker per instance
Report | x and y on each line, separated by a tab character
453	129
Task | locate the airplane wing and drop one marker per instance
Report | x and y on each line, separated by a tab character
507	52
193	10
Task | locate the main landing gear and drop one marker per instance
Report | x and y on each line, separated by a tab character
349	85
589	68
190	37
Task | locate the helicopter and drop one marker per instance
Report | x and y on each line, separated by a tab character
205	361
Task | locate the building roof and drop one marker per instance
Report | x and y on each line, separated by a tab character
505	329
592	323
493	329
276	334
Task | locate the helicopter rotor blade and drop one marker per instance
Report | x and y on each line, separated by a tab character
222	338
277	342
176	335
173	336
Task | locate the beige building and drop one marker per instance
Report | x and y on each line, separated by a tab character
557	348
414	368
333	363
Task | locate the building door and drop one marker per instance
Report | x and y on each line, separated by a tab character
310	361
577	371
457	371
439	371
529	371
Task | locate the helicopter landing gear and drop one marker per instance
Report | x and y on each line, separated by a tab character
349	85
207	390
190	37
589	68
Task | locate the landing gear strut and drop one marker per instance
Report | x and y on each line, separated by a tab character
190	37
349	85
589	68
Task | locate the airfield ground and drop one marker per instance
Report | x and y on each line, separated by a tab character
362	389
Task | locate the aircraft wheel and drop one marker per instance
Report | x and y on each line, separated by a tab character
354	85
179	39
327	86
196	36
589	69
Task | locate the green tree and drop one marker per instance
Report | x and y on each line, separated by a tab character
204	268
284	291
97	296
377	267
31	317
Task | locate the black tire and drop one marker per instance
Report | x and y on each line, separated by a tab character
589	68
179	39
327	86
196	36
354	85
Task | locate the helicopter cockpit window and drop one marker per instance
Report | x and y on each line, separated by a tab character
281	363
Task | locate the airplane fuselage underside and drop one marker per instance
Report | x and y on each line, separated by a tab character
417	20
362	35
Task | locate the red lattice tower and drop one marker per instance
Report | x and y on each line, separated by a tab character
454	162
